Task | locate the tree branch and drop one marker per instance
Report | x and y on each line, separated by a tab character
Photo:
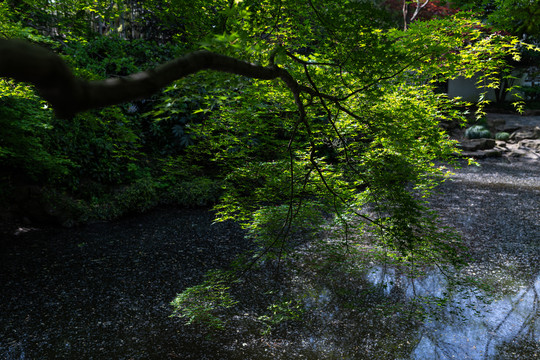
418	8
69	95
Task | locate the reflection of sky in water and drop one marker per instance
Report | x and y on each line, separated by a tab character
478	332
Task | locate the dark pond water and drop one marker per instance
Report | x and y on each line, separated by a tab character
103	292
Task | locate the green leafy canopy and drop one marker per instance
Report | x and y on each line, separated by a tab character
349	131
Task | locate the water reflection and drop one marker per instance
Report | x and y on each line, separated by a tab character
480	331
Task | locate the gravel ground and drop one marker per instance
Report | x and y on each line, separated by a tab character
496	209
102	291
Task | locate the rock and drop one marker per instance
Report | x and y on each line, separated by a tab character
475	154
493	153
482	154
526	133
511	128
502	150
477	144
517	153
496	125
522	145
530	143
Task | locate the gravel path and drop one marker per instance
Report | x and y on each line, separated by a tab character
496	208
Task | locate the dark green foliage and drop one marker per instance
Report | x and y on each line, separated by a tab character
90	157
168	125
283	311
201	191
101	143
481	122
531	93
274	228
108	203
106	56
27	151
138	197
513	16
477	132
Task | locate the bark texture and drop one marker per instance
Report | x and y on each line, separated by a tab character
69	95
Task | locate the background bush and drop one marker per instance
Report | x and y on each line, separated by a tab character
477	132
503	136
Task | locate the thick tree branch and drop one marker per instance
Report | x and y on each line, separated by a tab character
69	95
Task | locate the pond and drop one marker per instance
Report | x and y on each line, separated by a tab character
103	291
471	326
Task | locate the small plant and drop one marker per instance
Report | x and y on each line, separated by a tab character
291	310
200	304
477	132
502	136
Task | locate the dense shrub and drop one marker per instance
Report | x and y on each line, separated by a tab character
106	56
137	197
200	191
503	136
477	132
26	149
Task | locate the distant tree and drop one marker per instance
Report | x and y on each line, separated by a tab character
520	18
419	10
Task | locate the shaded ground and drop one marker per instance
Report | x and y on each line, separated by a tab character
496	209
102	291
